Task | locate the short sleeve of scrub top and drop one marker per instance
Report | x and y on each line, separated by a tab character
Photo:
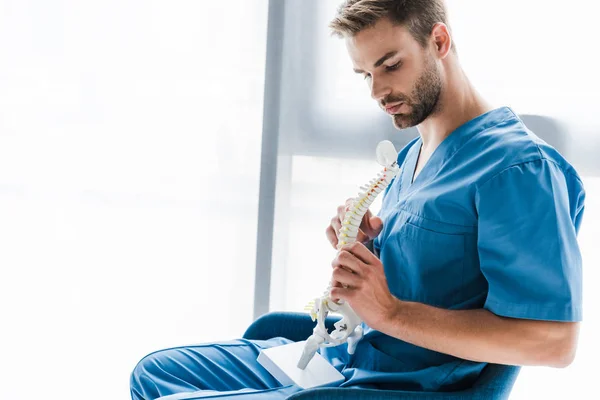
533	269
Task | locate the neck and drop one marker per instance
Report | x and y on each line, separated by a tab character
459	103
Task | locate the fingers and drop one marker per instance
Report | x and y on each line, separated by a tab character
349	262
345	278
333	230
342	293
362	237
335	284
376	224
360	252
341	213
364	223
331	236
336	221
371	225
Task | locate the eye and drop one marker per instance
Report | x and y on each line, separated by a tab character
394	67
366	76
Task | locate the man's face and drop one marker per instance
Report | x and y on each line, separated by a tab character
403	76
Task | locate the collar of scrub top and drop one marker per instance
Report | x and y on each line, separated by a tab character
449	147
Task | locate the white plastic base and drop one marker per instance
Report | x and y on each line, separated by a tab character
281	362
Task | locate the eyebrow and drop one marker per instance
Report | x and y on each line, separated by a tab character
383	59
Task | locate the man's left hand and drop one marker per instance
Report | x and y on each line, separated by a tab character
358	278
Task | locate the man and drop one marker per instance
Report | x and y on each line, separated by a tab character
475	257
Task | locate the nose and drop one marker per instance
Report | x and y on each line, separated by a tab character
379	89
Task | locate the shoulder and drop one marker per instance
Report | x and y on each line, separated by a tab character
510	145
521	167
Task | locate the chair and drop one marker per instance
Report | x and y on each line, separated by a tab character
494	383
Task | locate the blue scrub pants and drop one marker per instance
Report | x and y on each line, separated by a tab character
213	370
231	370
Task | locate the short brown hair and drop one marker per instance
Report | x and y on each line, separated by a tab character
418	16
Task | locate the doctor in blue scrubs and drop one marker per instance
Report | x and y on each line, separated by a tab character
473	258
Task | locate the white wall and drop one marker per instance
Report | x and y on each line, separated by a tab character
129	165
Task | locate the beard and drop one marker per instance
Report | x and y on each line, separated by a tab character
423	100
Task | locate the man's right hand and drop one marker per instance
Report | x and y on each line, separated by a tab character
370	226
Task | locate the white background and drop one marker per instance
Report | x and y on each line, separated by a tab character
129	167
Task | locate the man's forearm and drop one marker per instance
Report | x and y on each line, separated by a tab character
480	335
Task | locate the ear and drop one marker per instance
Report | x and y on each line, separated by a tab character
440	34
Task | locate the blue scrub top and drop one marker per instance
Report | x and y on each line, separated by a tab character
490	222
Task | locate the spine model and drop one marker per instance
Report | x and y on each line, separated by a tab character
348	329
